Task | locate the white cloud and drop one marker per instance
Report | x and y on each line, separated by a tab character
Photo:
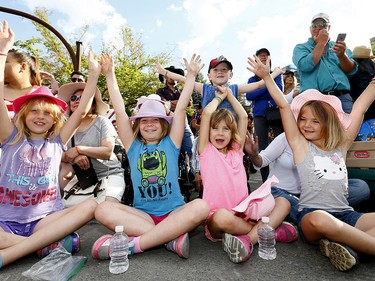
103	20
159	23
174	8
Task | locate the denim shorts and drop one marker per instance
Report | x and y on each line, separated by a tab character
22	229
293	200
349	217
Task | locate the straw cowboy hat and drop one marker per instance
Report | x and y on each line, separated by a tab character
362	52
313	94
152	106
40	92
67	90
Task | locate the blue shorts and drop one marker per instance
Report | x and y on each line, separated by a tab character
293	200
349	217
22	229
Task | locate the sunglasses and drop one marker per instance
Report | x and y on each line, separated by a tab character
74	98
319	24
75	80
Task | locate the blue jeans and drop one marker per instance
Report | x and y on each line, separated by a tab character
358	190
187	141
346	102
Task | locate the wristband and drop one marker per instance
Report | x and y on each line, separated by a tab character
220	100
77	149
3	54
372	82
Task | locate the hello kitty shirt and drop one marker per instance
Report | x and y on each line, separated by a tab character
324	181
29	188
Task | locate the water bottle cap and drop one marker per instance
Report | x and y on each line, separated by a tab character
119	228
265	219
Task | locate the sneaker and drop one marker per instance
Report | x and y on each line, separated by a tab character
71	243
180	246
285	233
341	256
101	249
238	247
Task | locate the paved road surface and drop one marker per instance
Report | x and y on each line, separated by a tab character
296	261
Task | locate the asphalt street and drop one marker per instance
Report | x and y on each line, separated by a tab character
207	261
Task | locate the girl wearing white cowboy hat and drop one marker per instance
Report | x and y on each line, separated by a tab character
32	146
159	214
95	140
320	134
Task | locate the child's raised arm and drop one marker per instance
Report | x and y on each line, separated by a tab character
6	43
244	88
179	116
241	115
295	139
204	130
125	129
87	97
177	77
360	107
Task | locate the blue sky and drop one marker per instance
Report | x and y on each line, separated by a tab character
233	28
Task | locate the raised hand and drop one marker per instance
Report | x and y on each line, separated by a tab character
94	64
107	64
257	67
195	65
251	144
223	92
6	38
159	69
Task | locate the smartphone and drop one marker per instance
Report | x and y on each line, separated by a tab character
341	37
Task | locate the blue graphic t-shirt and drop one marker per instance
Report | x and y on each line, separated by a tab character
208	95
154	173
29	188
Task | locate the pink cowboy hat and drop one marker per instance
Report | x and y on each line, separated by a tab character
313	94
40	92
152	107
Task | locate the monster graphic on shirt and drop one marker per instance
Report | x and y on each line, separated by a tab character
153	169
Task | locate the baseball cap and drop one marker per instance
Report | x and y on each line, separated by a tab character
322	16
263	50
216	61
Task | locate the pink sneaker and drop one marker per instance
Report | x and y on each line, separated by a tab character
238	247
100	249
285	233
180	246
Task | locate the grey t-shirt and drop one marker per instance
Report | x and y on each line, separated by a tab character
99	130
324	180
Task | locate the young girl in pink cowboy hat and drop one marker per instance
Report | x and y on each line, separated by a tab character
320	134
159	214
32	214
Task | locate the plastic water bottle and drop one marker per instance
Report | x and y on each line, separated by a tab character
119	247
266	240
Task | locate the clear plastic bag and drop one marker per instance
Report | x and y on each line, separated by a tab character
59	265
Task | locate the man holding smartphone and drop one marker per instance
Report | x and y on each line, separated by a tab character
323	64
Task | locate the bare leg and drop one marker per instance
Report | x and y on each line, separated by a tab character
138	223
320	224
225	221
277	216
49	230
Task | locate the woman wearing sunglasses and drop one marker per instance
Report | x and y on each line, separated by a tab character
94	139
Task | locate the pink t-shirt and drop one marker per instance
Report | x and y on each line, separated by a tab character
224	177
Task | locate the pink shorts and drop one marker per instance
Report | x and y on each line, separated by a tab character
158	219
